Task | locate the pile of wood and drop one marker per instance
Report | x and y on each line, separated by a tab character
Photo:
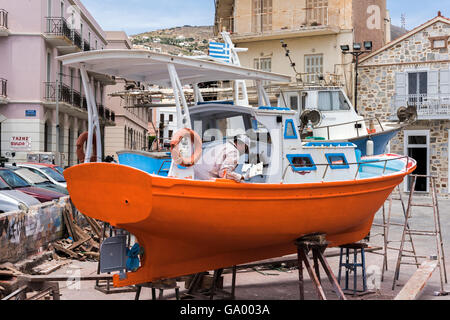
83	243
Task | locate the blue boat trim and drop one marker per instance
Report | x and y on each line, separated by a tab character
337	166
296	168
290	124
274	109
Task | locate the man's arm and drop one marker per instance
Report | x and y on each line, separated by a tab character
228	166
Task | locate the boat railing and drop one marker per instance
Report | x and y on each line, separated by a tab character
356	122
358	164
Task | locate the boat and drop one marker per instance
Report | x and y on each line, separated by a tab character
333	118
184	225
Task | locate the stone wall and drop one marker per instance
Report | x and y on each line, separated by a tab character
376	90
26	233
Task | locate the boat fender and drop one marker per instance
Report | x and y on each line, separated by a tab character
176	152
81	155
370	148
133	261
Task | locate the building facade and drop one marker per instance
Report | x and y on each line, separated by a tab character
314	30
414	70
32	35
131	130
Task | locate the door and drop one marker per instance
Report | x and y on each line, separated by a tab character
417	88
417	146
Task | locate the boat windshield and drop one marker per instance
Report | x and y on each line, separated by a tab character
53	174
332	101
222	125
13	180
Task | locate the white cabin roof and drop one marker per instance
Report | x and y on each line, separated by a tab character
151	67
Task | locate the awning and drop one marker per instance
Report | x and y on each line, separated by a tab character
151	67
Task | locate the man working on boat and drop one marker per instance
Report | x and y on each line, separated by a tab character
222	160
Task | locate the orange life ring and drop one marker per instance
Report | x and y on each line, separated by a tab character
81	155
196	141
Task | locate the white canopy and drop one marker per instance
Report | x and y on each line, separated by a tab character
151	67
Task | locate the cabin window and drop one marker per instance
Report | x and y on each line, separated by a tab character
337	161
289	131
332	101
301	162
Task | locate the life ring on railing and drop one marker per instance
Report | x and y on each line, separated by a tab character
81	155
196	142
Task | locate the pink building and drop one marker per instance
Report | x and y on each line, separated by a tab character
32	34
131	129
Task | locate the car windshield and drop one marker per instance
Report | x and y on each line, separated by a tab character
53	174
59	169
13	180
4	186
30	176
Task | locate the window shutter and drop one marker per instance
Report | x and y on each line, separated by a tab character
433	82
400	89
445	81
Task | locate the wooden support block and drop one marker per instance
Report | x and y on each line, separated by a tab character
417	283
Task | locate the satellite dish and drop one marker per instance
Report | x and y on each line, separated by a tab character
311	115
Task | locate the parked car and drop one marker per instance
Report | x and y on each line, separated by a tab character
13	200
39	181
42	170
17	183
51	166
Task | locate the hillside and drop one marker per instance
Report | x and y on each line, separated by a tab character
186	40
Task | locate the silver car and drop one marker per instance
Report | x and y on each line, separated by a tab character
13	200
50	174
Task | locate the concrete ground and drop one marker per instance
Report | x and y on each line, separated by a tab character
283	284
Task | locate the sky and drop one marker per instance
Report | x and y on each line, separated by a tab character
137	16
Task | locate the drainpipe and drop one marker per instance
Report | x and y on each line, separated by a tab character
58	154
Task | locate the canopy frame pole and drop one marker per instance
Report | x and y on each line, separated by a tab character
93	119
238	84
198	97
263	98
183	117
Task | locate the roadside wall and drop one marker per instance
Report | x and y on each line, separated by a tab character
26	233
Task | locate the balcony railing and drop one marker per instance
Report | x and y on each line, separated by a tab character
66	95
58	27
428	106
3	88
3	18
306	20
77	39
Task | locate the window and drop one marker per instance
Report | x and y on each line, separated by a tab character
261	15
161	117
313	67
263	64
301	162
317	12
417	146
332	101
289	131
170	134
337	161
171	118
439	42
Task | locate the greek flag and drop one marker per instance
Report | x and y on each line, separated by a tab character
220	51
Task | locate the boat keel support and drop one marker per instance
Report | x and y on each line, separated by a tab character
317	244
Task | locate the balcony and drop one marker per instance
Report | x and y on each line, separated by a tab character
428	106
4	31
307	22
59	35
3	91
67	95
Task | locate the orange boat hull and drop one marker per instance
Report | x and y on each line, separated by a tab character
189	226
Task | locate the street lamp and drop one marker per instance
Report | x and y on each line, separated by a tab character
356	53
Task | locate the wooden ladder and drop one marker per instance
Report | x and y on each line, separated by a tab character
436	234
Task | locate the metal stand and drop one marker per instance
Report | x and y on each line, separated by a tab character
194	291
161	286
436	233
317	244
353	266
